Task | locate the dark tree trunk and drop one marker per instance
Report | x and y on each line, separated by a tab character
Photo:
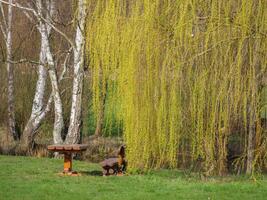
100	116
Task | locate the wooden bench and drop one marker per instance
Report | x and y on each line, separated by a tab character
68	150
115	166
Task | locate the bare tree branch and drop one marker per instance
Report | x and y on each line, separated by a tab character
21	61
3	15
17	5
28	16
60	32
3	30
65	64
3	24
40	17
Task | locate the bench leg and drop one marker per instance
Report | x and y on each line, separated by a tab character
67	162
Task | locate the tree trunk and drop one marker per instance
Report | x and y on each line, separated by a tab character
100	116
38	102
74	130
44	29
38	111
10	77
58	123
253	106
250	147
99	122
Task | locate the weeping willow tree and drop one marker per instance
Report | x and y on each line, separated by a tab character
185	78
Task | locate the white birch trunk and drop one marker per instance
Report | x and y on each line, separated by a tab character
10	76
58	123
74	130
44	29
39	111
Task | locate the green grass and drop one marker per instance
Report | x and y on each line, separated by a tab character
37	178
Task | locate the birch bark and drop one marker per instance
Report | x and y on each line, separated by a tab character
74	131
37	113
6	28
58	123
45	28
38	110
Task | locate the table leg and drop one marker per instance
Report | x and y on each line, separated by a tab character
67	162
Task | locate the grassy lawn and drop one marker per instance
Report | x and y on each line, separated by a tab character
36	178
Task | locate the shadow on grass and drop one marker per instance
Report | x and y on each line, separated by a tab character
92	173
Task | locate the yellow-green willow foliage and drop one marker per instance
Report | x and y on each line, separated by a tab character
185	77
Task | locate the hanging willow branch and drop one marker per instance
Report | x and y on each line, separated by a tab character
184	76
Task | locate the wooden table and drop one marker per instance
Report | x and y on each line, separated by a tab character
68	150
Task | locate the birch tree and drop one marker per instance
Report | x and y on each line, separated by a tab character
44	25
6	28
73	135
44	29
39	111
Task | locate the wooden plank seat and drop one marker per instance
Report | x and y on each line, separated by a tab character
68	150
67	147
116	165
